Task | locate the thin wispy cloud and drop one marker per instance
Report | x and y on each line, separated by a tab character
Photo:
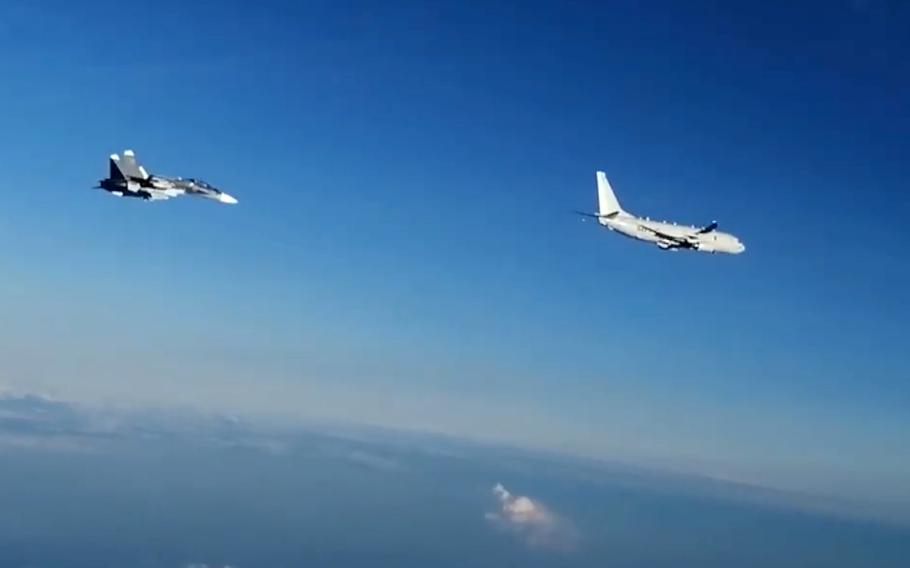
54	443
36	421
531	521
372	460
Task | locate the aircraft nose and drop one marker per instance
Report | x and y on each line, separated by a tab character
225	198
740	247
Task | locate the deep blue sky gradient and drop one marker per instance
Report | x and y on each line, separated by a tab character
403	251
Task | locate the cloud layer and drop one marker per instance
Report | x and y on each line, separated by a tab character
531	521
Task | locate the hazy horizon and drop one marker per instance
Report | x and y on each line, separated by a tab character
108	487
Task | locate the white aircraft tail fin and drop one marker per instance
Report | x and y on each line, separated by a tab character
126	167
130	167
607	204
115	172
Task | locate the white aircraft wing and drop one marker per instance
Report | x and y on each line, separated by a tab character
670	240
690	240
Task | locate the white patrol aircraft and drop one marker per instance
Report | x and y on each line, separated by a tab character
667	236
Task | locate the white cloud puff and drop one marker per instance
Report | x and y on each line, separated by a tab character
531	521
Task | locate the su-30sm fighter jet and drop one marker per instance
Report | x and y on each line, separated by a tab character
129	179
667	236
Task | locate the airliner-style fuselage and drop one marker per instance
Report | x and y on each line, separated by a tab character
668	236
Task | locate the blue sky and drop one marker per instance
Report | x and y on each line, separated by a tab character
403	254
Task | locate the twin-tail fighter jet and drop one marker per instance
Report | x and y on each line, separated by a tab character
129	179
667	236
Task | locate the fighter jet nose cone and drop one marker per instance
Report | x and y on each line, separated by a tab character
225	198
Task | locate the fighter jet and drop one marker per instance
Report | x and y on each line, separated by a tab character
129	179
667	236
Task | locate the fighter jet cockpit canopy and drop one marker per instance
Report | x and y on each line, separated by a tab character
201	183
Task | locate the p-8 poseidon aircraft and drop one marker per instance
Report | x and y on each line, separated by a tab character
129	179
667	236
